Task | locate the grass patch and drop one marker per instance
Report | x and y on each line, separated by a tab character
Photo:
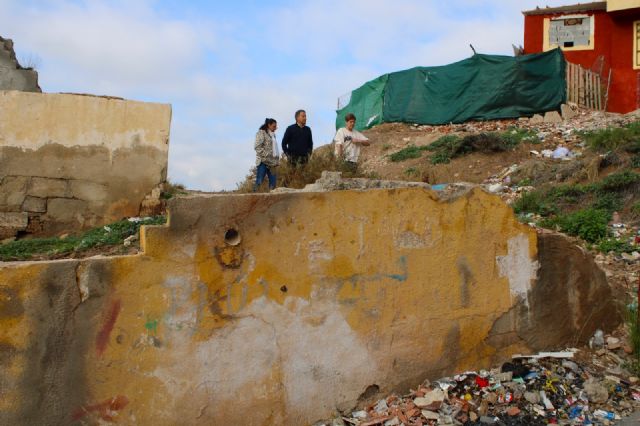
615	138
412	172
407	153
108	235
606	195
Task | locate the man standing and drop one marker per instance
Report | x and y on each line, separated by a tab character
348	142
297	142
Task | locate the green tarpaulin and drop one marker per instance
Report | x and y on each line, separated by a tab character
482	87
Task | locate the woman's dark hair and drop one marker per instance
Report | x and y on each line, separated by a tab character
267	123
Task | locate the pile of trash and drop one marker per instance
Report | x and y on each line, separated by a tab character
547	388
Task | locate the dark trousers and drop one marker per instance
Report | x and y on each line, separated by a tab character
298	160
263	170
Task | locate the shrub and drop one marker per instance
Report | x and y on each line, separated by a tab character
608	201
450	146
443	142
618	181
292	176
588	224
440	158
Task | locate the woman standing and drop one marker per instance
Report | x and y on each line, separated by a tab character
267	153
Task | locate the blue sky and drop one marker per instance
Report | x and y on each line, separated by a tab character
226	65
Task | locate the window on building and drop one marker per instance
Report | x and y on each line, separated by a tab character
636	45
571	31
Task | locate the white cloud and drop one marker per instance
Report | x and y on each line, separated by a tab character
225	74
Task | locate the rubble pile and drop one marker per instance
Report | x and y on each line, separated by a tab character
568	128
548	388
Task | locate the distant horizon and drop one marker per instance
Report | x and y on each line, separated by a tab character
223	71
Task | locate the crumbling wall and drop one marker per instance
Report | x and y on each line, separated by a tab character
73	161
282	308
12	75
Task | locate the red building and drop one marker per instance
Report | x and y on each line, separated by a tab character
601	36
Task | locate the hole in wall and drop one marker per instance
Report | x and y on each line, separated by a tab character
370	392
232	237
284	289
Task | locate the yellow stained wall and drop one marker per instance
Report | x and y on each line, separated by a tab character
325	294
33	120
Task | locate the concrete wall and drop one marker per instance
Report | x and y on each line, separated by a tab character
12	75
279	309
70	161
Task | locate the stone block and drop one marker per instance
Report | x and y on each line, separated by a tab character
48	188
88	191
66	210
34	205
567	112
537	119
552	117
12	192
14	220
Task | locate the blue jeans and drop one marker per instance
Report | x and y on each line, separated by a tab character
263	170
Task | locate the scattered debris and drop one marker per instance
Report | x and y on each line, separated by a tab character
546	388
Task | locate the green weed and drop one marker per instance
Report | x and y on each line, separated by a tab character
108	235
533	202
588	224
612	244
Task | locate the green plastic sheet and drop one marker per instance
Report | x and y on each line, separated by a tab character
482	87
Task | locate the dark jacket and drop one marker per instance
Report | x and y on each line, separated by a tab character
297	141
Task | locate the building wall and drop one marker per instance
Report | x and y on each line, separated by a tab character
613	41
73	161
311	300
